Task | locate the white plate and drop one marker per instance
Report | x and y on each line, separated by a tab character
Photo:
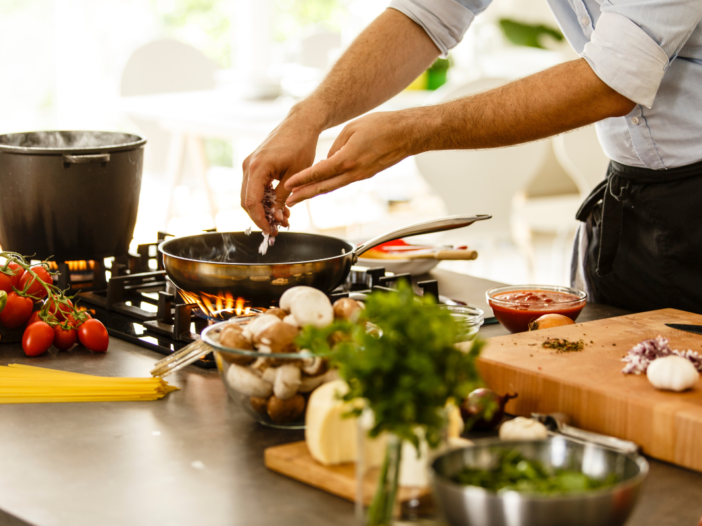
400	266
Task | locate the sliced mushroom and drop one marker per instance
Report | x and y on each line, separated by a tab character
287	381
278	337
285	411
288	296
310	383
275	311
314	366
259	404
247	382
260	324
347	309
312	307
331	375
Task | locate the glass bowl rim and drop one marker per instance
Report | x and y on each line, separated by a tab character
469	313
215	328
489	295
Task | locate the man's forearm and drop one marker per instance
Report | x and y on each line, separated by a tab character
384	59
559	99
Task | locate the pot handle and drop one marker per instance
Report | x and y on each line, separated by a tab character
426	227
82	159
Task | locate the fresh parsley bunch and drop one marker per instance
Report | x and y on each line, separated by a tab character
408	370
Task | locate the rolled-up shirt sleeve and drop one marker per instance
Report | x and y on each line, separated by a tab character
445	21
634	41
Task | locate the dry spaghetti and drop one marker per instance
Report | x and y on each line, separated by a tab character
25	384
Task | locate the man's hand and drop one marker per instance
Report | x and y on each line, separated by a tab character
365	147
289	149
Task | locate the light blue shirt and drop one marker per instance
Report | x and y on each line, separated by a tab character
650	51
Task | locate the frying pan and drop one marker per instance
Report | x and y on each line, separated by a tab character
229	262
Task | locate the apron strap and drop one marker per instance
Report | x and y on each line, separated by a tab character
612	192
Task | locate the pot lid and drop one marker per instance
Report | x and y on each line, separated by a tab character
60	142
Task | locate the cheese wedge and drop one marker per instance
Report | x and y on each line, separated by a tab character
331	439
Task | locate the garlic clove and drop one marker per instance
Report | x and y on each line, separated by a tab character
672	373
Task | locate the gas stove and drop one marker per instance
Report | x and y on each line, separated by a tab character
139	304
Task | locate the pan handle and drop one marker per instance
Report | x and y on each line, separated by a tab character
426	227
81	159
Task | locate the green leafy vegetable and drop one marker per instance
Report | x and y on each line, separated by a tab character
408	371
514	472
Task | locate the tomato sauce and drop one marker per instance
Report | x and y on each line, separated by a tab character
516	309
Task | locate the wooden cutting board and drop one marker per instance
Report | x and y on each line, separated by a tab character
295	461
590	388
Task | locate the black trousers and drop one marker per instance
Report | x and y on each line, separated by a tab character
644	238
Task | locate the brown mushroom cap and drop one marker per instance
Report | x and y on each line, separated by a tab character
284	411
275	311
234	339
279	338
259	404
347	309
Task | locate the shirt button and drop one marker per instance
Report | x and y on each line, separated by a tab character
635	121
584	21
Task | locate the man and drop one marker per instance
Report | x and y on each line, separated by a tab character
639	77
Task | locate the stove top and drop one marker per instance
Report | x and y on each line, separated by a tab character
139	304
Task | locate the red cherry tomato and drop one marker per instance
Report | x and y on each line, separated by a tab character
5	282
64	339
63	309
17	311
93	334
36	288
34	318
37	338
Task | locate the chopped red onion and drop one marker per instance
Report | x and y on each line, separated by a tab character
268	202
642	354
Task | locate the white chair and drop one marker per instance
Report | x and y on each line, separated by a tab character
169	66
581	156
481	181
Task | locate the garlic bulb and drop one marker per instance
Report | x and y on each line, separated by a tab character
521	428
672	373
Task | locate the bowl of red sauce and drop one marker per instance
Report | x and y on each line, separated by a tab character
517	306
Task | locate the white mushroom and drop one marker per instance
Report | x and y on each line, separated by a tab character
287	381
312	307
247	382
310	383
347	309
260	324
290	320
269	374
288	296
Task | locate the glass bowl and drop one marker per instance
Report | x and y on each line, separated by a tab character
250	379
516	313
469	319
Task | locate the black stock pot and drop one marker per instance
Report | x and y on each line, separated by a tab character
73	195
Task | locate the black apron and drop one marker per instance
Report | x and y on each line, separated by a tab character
643	231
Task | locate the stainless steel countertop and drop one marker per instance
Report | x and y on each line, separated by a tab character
195	458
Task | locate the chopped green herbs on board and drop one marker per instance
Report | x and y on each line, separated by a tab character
516	473
563	345
408	369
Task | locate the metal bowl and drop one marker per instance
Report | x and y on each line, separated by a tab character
475	506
